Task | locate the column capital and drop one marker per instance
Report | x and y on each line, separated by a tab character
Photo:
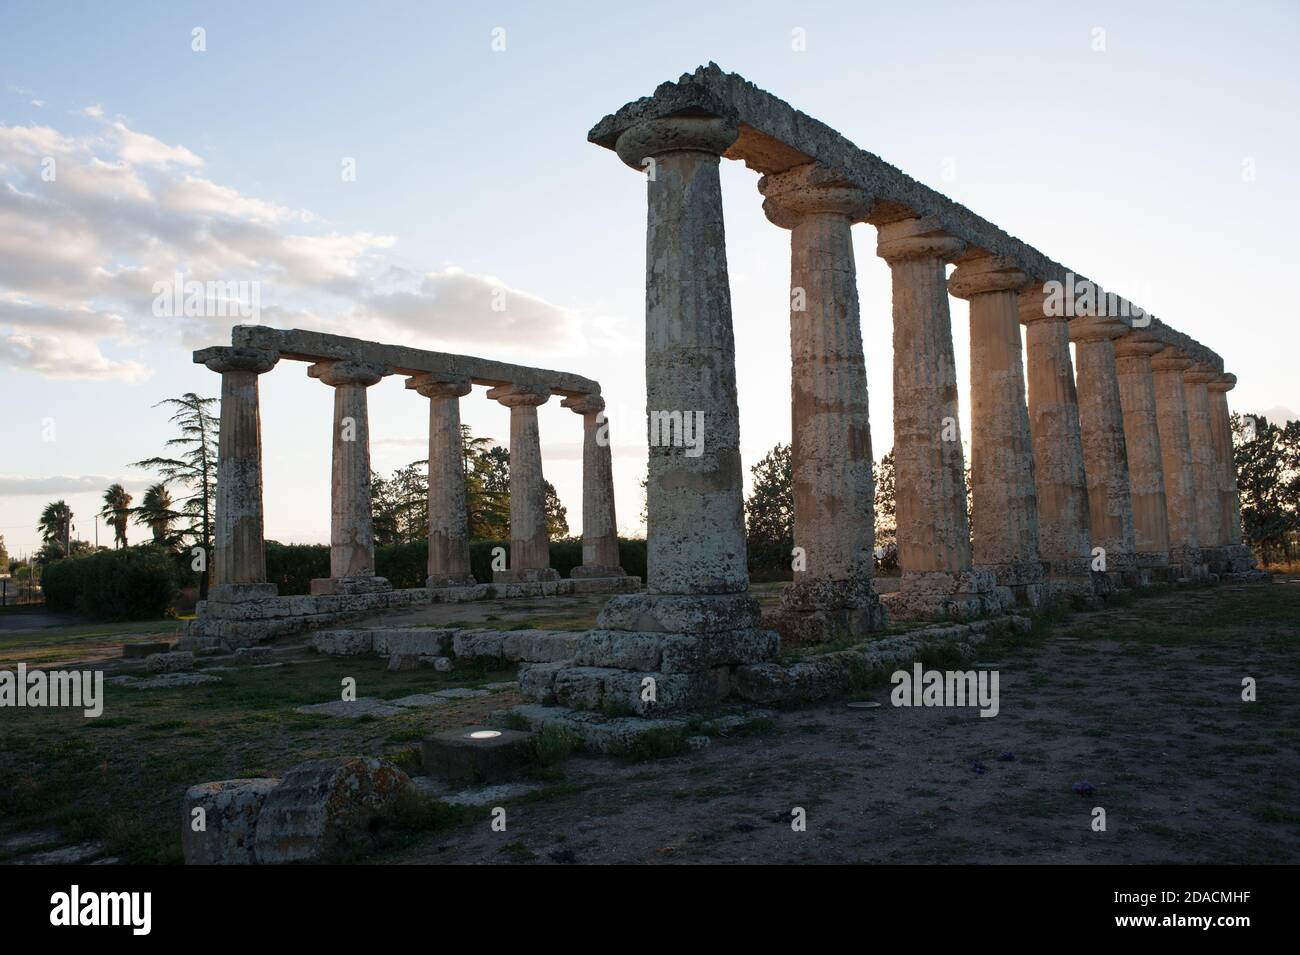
346	371
811	189
1096	329
916	239
1137	345
705	134
1200	374
514	396
983	273
1032	309
1225	383
1170	359
222	359
584	404
430	386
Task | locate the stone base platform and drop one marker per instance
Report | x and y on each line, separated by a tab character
513	646
242	623
966	596
595	732
821	610
533	576
323	586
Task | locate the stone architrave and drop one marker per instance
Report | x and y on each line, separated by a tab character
238	565
934	545
833	487
1005	499
448	518
599	525
530	545
352	534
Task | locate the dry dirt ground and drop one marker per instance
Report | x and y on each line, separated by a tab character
1142	701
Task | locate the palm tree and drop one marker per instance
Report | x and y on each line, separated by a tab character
117	511
155	512
55	524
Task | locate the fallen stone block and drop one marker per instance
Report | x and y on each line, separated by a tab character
173	681
327	809
343	643
595	731
403	663
230	809
175	662
477	755
425	641
254	655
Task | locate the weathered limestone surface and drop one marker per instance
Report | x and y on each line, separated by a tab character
448	518
1167	368
1238	558
530	548
1002	454
230	810
238	569
1105	457
599	525
833	488
1059	478
1137	398
352	535
1207	475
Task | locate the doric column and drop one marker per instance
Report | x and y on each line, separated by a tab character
352	533
1105	458
448	518
695	508
933	533
1206	473
1005	511
1167	367
1137	398
239	552
1238	556
833	488
599	526
1059	478
530	545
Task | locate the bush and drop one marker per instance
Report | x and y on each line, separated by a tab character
135	583
292	567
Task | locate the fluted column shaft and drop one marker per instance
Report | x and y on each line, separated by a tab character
933	532
238	563
599	525
1221	426
1101	425
1002	456
1142	441
1167	369
352	533
1059	478
448	564
695	507
833	487
1206	471
530	545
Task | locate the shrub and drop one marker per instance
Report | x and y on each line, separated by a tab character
135	583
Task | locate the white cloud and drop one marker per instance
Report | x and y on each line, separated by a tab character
67	484
90	222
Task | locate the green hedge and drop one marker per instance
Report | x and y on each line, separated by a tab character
136	583
292	567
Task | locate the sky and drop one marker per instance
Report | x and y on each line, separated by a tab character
381	170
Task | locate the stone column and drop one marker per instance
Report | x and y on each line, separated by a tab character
1059	478
1239	558
448	518
238	550
1005	511
1167	367
1206	473
599	526
1105	457
695	508
933	533
1137	398
352	534
530	545
833	488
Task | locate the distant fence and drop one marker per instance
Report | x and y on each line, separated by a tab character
14	592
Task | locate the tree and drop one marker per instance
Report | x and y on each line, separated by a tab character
769	510
1267	459
195	469
155	512
117	511
55	526
557	515
400	504
886	513
4	556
